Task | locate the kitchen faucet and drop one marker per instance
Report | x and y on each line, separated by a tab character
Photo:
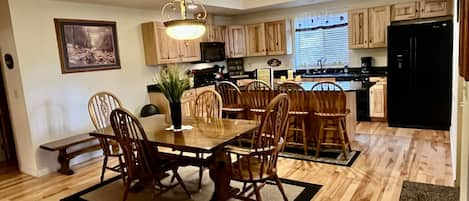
320	63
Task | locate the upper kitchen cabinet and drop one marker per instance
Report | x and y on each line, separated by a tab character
190	50
379	20
159	48
255	40
368	27
405	11
236	40
278	37
435	8
421	9
358	28
216	33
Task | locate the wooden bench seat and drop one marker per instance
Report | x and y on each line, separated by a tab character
64	144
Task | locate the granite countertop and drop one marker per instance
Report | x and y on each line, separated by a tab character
343	75
154	88
348	86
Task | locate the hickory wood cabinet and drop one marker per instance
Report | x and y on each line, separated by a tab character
378	98
187	100
255	40
421	9
278	37
159	48
236	41
368	27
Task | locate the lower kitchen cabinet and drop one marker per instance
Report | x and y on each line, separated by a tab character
187	100
378	99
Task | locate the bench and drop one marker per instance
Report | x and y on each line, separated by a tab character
64	156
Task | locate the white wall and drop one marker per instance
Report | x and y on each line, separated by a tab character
57	103
15	95
379	54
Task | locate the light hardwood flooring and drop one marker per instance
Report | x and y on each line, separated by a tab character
389	156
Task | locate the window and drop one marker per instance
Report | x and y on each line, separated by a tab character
321	39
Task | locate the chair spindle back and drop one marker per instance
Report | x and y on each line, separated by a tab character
329	98
138	153
208	104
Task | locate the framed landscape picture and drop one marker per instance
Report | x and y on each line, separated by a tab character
86	45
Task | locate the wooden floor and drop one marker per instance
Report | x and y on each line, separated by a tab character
389	156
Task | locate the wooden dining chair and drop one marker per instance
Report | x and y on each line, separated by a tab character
100	106
208	104
231	96
329	107
297	115
142	160
258	165
258	96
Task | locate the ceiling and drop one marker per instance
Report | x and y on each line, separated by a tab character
220	7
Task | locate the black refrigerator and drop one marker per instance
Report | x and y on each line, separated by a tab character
420	75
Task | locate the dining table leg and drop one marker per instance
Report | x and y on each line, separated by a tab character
220	173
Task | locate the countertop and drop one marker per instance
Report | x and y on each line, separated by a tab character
347	86
154	88
343	75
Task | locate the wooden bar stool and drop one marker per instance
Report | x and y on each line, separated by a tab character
297	115
330	108
258	95
231	96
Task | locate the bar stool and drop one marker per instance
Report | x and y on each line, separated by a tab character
231	96
258	95
330	108
297	114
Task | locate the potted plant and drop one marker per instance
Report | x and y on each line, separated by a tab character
173	83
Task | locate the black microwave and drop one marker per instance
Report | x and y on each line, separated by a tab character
212	51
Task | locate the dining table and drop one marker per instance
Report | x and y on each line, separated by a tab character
205	136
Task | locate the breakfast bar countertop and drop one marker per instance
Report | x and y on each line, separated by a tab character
347	86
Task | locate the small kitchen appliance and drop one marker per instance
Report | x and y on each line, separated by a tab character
366	64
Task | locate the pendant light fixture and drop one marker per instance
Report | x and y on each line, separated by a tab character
185	28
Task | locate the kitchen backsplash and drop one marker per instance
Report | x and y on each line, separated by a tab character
288	61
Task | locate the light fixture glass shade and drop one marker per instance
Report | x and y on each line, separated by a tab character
188	29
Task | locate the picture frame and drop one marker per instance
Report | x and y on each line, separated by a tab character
87	45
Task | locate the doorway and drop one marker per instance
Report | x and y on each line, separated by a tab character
7	143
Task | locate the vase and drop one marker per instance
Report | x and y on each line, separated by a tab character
176	115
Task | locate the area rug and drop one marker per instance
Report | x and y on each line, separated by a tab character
112	189
328	156
412	191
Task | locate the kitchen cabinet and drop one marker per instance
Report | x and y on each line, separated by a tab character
255	40
378	98
190	50
358	28
278	37
421	9
187	100
368	27
216	33
378	22
159	48
236	40
405	11
435	8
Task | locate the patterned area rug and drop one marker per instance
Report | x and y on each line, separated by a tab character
412	191
112	189
329	156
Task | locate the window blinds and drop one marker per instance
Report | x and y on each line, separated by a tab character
322	39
